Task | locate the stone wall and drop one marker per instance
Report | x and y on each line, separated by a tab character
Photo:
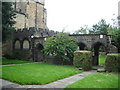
30	14
20	24
7	47
90	40
113	49
22	41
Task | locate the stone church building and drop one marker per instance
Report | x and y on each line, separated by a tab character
31	20
30	13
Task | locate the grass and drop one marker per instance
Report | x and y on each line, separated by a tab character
39	73
97	80
102	59
5	61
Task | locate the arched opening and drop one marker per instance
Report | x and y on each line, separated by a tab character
26	44
39	55
39	47
82	46
98	49
17	44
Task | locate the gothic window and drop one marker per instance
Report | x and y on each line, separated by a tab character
17	44
26	44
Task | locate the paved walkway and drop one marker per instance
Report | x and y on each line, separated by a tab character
57	84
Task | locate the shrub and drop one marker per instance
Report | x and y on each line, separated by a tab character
61	46
83	59
112	63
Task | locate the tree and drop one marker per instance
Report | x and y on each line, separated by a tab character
83	30
7	20
61	46
100	28
116	37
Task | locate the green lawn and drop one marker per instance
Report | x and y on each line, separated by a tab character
39	73
97	80
5	61
102	59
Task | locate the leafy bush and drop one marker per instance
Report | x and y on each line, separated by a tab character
62	46
112	62
83	59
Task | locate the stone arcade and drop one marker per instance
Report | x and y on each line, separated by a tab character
31	42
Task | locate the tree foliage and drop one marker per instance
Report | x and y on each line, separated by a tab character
100	28
115	32
83	30
61	46
7	20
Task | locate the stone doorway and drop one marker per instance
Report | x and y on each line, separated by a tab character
39	55
96	52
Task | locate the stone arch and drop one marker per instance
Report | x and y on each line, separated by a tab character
82	46
26	43
97	45
95	49
39	47
17	44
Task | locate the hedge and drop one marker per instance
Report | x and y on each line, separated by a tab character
83	59
112	63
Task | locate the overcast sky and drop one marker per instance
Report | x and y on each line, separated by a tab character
72	14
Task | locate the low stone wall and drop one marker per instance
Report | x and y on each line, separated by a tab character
27	55
52	59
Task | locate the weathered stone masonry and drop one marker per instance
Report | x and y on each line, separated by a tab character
23	42
30	14
93	42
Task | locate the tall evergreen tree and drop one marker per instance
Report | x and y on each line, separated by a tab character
7	20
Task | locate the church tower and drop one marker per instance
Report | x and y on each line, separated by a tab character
30	13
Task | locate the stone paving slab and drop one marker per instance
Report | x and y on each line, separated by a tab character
7	84
56	84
